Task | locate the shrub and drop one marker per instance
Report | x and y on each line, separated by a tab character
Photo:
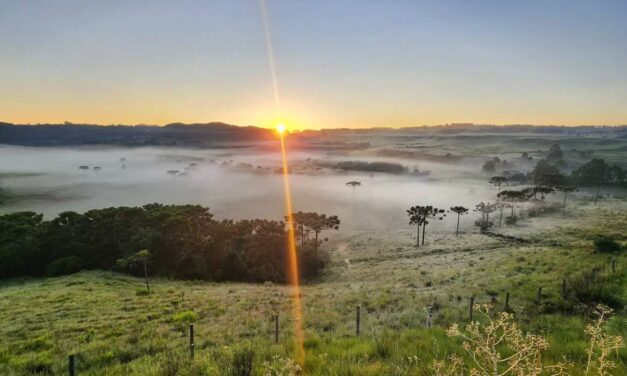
383	346
182	319
606	245
281	367
38	344
64	265
484	225
511	220
586	291
484	346
242	362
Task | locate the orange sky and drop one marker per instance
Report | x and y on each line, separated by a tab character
349	64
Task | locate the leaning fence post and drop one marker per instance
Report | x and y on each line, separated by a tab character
191	340
72	365
507	301
564	288
470	306
613	265
357	319
276	328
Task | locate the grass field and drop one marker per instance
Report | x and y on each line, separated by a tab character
115	328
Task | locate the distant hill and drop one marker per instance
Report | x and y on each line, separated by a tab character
216	133
176	134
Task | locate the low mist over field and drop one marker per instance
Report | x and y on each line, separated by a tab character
228	181
396	169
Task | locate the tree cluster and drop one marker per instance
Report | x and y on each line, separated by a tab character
184	241
420	215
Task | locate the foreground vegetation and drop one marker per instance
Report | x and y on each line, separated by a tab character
116	328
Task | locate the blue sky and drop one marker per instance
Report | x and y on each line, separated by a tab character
339	63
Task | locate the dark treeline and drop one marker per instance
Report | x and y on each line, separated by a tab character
195	135
210	134
184	241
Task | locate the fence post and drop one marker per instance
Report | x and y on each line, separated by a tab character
564	288
429	317
357	319
276	328
507	301
539	300
72	365
191	340
470	306
613	265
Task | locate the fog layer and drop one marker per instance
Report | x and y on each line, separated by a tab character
50	181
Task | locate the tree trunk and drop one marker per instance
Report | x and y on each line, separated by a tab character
316	245
501	217
596	197
146	276
418	236
423	232
457	230
564	203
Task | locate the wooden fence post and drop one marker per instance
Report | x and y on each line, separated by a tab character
357	319
276	328
429	317
72	365
470	307
191	340
564	288
507	301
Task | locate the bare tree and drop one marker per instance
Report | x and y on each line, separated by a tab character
353	184
320	222
543	190
497	181
511	197
142	257
565	189
301	224
459	210
419	215
415	219
485	209
307	223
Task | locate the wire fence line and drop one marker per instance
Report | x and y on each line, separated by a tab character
363	320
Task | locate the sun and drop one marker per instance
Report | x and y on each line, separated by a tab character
280	128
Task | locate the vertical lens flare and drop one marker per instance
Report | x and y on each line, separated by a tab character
294	275
266	29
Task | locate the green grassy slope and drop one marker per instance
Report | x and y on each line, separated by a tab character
116	329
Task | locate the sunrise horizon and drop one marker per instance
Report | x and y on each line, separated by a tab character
294	128
314	65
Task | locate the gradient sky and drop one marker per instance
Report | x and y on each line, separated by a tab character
339	63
